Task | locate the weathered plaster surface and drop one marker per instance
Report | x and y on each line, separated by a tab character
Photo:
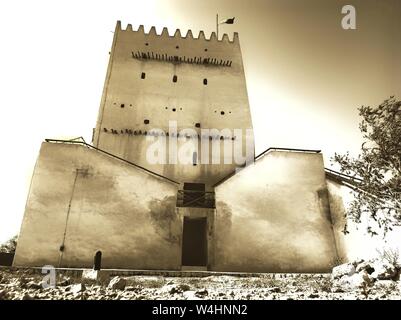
155	97
274	216
123	211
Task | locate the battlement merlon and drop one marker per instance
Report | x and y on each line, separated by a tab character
177	34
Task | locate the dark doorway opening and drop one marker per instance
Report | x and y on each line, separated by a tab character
97	261
194	242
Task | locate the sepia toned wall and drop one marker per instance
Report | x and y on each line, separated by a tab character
281	214
128	100
274	216
121	210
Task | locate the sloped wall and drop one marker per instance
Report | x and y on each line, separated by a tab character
274	216
100	203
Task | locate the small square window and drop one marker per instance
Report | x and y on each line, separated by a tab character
146	121
122	105
143	75
197	125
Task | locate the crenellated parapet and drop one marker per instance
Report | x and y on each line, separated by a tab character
192	79
178	35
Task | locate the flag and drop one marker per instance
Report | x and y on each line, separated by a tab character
228	21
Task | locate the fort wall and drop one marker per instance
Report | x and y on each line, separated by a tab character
274	216
86	202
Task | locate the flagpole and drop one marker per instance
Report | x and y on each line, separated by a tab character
217	26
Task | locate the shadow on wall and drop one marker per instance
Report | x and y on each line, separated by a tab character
165	219
225	216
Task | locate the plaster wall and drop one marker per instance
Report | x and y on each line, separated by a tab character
89	201
274	216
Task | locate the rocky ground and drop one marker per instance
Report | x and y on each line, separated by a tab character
349	281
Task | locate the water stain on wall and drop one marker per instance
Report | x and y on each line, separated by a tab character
224	217
323	197
165	219
92	188
85	171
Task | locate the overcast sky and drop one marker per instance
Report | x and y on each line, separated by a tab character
306	76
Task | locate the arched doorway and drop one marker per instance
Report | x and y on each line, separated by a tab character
97	263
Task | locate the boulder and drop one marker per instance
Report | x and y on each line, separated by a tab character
117	283
365	266
354	282
346	269
357	281
384	271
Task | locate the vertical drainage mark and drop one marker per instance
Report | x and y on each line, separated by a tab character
66	220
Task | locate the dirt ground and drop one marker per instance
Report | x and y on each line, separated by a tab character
26	285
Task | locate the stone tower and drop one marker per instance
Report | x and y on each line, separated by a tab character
109	200
155	82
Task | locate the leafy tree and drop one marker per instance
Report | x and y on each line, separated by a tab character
378	166
9	246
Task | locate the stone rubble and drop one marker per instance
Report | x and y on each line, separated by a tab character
117	283
357	280
366	276
347	269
